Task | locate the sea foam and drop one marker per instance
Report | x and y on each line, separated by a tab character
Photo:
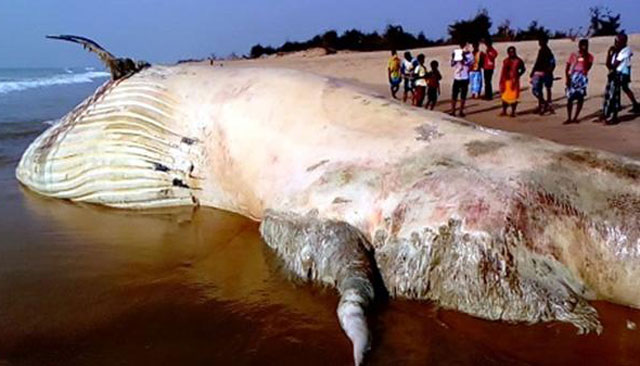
9	86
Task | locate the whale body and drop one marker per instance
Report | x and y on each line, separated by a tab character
360	192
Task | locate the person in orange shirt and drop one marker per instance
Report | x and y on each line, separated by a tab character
393	72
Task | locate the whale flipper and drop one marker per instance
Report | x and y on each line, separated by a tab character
119	67
334	253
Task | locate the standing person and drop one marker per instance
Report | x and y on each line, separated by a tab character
489	66
542	75
406	69
576	73
611	104
619	64
393	71
461	61
512	69
475	72
420	82
433	85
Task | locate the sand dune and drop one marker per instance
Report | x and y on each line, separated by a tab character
369	70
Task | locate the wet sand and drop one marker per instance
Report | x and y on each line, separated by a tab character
86	285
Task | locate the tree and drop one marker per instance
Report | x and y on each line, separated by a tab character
352	39
396	38
505	33
603	22
471	30
533	31
373	41
258	51
330	40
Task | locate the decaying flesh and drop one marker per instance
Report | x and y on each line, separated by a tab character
351	186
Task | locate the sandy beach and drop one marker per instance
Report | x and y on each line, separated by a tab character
87	285
369	71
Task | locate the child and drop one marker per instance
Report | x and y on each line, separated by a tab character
393	71
420	85
406	70
475	73
433	85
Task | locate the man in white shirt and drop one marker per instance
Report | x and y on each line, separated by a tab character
619	65
621	61
461	61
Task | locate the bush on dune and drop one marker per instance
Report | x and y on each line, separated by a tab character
474	29
603	22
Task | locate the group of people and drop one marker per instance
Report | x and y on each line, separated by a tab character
418	81
473	69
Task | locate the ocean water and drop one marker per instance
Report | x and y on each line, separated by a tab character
33	98
37	95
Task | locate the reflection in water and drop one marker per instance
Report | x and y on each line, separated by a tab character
88	285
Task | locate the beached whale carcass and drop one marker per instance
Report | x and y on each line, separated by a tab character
360	192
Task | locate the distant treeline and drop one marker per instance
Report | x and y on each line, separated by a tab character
602	23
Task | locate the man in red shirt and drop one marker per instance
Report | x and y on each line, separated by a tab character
489	65
576	73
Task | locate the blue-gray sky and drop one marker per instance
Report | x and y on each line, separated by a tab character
168	30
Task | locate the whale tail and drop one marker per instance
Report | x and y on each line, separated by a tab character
334	253
119	67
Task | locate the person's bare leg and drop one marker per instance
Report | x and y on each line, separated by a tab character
394	91
513	109
540	109
504	109
578	109
632	97
462	103
569	111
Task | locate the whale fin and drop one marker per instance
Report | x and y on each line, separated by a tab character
119	67
334	253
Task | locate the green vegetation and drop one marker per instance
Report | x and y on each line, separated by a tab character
477	28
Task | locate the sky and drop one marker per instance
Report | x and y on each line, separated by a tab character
164	31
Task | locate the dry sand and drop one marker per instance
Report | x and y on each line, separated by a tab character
369	70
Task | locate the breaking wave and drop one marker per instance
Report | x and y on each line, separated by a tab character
8	86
